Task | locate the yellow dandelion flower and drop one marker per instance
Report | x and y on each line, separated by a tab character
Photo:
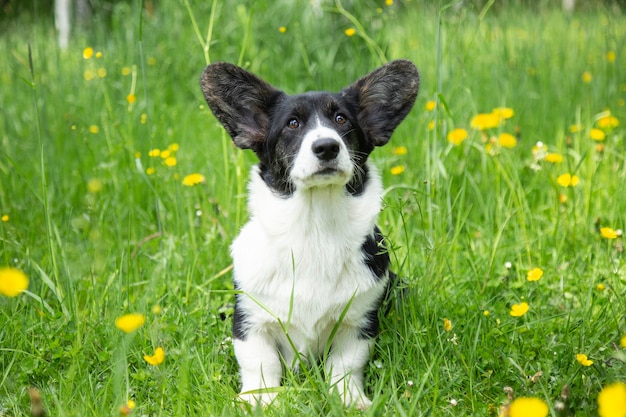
518	310
608	122
13	282
397	170
131	98
484	121
156	309
608	233
528	407
126	71
350	31
99	55
486	313
155	153
173	147
171	161
5	218
128	323
431	105
568	180
597	134
562	198
157	358
447	325
503	112
612	400
282	29
193	179
127	408
534	274
144	118
586	77
94	129
600	287
575	128
431	125
152	61
94	185
610	56
88	52
400	150
166	154
506	140
389	2
89	75
102	72
622	341
554	158
457	136
583	360
150	171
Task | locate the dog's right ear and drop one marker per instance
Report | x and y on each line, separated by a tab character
240	101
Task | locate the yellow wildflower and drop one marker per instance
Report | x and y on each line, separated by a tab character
94	185
144	118
94	129
534	274
173	147
126	71
447	325
518	310
102	72
5	218
157	358
600	287
608	233
507	140
128	323
586	77
622	341
503	112
575	128
131	98
282	29
612	400
165	154
88	52
597	134
350	31
397	170
171	161
554	158
389	2
528	407
150	171
193	179
608	122
583	360
568	180
484	121
400	150
457	136
156	152
610	56
13	282
431	105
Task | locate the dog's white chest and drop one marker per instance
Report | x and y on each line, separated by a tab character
300	261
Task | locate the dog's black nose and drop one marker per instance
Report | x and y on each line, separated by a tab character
325	149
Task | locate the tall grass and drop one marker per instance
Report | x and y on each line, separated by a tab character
102	228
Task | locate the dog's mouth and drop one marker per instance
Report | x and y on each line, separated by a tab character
325	171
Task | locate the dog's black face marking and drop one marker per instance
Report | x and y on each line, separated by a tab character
262	118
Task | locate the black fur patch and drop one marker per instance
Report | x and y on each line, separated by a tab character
376	254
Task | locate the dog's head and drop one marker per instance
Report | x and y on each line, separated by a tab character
313	139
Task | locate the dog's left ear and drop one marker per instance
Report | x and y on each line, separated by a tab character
384	97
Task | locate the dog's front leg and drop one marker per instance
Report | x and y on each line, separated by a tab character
345	364
260	367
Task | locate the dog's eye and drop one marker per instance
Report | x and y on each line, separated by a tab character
293	123
340	119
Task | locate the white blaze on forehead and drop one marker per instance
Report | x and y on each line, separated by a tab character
307	164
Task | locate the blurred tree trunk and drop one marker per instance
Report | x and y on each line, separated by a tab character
62	21
83	12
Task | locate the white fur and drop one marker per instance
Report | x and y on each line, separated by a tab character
299	264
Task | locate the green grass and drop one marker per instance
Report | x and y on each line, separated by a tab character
99	237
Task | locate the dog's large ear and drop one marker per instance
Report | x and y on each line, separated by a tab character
384	97
240	101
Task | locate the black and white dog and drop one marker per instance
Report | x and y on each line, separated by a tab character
311	264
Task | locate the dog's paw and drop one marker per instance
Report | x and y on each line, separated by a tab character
254	399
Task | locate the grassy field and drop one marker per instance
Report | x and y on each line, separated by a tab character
96	143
